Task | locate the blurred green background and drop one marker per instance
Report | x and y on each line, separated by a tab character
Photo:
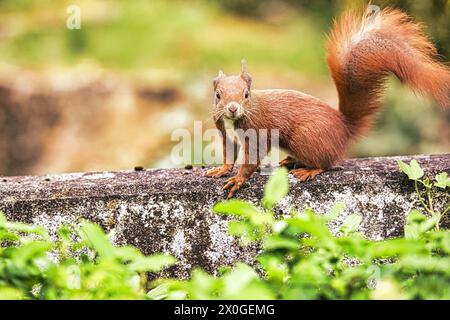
108	96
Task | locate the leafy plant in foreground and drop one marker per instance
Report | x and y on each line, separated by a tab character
302	259
80	264
442	182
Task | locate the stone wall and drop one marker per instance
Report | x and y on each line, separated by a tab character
169	210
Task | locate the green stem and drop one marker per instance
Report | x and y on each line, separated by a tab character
421	199
446	211
430	200
441	216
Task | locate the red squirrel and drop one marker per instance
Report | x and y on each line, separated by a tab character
363	49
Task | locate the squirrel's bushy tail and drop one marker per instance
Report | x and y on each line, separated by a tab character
364	49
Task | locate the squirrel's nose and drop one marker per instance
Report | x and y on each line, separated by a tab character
232	108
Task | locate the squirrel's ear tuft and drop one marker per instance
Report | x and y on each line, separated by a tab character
244	74
217	79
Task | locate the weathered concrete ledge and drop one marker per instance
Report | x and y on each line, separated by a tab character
168	210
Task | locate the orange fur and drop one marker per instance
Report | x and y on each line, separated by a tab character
363	50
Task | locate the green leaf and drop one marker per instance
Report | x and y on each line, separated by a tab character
393	247
308	222
278	242
8	236
244	230
429	224
417	224
245	210
351	224
406	169
159	292
274	267
276	188
7	293
243	282
412	232
427	183
2	219
128	253
239	228
29	253
26	228
335	211
203	285
279	226
95	236
415	217
413	170
236	207
426	263
154	263
238	278
442	180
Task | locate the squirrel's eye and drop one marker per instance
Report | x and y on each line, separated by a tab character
218	96
246	95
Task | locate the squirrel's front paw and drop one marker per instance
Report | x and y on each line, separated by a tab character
235	184
218	172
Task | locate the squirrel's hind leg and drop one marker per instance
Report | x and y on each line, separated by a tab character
306	174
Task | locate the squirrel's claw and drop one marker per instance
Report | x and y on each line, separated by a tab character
235	184
218	172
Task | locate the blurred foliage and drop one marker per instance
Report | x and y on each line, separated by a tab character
81	264
300	258
434	14
137	33
154	34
